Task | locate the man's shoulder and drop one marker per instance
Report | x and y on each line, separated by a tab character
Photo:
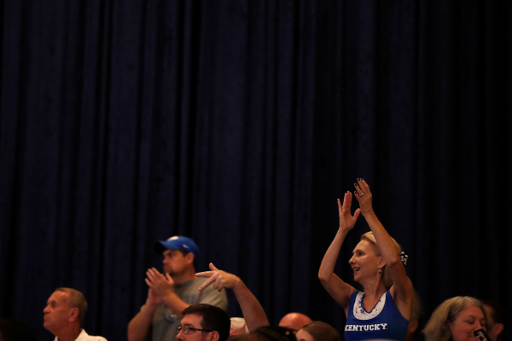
86	337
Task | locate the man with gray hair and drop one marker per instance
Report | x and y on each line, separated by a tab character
63	316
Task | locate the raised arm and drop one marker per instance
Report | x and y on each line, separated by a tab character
252	310
335	286
140	325
402	289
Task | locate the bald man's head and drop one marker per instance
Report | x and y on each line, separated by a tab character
294	321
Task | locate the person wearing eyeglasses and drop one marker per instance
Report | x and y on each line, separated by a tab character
203	322
255	317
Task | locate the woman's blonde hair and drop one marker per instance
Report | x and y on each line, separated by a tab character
386	277
437	328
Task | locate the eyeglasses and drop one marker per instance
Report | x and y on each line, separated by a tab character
187	330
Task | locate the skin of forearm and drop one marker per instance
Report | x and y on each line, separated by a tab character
386	245
390	254
251	308
331	255
139	326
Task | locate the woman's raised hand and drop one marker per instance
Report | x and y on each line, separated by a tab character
347	220
363	196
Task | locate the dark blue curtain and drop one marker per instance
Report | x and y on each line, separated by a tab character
239	123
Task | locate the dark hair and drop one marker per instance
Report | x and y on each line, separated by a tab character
239	337
498	313
13	330
269	333
321	331
213	318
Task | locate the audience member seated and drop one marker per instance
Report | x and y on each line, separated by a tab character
294	321
206	322
269	333
456	319
317	331
64	314
495	320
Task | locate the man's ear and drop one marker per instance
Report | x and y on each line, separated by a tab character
413	326
189	257
73	314
498	328
215	336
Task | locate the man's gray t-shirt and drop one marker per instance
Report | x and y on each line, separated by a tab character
165	321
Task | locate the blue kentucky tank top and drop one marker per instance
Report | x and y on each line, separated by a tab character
383	322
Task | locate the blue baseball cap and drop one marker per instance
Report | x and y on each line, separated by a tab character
177	243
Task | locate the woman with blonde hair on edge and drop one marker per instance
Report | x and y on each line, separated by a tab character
383	309
456	319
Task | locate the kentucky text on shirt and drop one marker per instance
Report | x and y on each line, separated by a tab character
368	327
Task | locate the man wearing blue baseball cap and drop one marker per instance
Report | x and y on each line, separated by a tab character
171	292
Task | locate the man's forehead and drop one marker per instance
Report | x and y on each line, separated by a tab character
191	320
170	252
60	296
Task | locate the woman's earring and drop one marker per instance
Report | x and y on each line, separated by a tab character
380	271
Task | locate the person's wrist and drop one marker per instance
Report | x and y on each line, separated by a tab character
368	213
237	283
153	302
343	230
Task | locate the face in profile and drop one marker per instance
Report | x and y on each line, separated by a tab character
469	320
191	329
364	261
175	263
57	312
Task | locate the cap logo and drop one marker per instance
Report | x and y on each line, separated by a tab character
184	246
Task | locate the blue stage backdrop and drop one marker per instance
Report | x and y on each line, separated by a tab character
238	123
